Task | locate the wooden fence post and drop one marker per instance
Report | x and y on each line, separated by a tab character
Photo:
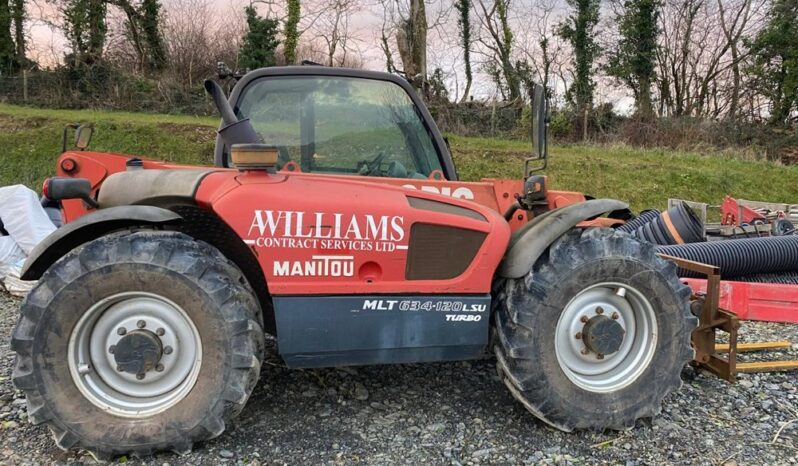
24	86
584	126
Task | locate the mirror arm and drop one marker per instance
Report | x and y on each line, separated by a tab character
69	126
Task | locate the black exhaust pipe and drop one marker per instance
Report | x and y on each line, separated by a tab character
217	94
740	257
233	130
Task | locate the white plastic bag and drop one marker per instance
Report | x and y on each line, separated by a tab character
10	253
24	217
12	258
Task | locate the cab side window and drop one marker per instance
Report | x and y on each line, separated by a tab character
341	125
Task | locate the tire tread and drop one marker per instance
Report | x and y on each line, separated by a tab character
178	252
514	324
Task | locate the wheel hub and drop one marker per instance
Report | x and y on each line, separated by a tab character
606	336
603	335
135	354
138	352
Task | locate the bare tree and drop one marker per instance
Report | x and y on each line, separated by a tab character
494	19
538	43
411	41
334	30
702	54
734	21
197	39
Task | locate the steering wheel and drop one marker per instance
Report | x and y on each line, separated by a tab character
372	167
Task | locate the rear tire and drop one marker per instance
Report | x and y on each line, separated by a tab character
185	302
594	291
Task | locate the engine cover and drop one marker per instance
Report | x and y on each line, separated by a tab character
325	331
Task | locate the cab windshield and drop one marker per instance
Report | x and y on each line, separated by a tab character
342	125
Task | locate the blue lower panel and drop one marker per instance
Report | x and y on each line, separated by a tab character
325	331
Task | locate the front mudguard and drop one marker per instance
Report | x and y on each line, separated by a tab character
90	227
531	240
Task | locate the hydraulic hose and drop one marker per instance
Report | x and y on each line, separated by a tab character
677	225
740	257
637	222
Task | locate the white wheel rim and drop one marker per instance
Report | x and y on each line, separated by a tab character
604	373
94	369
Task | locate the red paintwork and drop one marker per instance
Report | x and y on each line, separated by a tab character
755	301
96	167
731	209
380	268
235	196
379	261
495	194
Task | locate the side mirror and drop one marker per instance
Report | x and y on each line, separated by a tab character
540	126
83	136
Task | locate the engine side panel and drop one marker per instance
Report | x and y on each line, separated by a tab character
317	235
97	167
325	331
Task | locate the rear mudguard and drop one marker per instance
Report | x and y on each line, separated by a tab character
529	242
90	227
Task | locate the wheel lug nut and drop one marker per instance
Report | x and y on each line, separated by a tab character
140	376
160	332
121	331
585	350
112	349
119	368
159	368
615	316
599	310
141	324
599	356
583	319
578	335
167	350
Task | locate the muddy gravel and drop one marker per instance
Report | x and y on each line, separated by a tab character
455	413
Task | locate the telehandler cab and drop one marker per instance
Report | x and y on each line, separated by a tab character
333	220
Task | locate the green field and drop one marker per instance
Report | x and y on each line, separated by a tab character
645	178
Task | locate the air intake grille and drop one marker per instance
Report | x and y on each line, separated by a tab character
439	252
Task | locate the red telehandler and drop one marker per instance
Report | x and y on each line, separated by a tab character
334	221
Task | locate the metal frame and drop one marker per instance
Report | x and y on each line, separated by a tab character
445	157
711	318
754	301
721	358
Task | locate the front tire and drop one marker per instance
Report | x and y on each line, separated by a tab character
596	334
136	343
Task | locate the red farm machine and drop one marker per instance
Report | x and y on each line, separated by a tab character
334	221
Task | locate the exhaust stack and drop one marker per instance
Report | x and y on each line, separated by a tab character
233	130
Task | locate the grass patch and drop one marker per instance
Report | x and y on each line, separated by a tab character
645	178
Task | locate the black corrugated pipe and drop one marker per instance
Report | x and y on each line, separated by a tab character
677	225
740	257
786	278
637	222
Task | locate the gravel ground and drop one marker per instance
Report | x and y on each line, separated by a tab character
454	413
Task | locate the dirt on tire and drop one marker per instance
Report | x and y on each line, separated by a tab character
527	318
211	290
